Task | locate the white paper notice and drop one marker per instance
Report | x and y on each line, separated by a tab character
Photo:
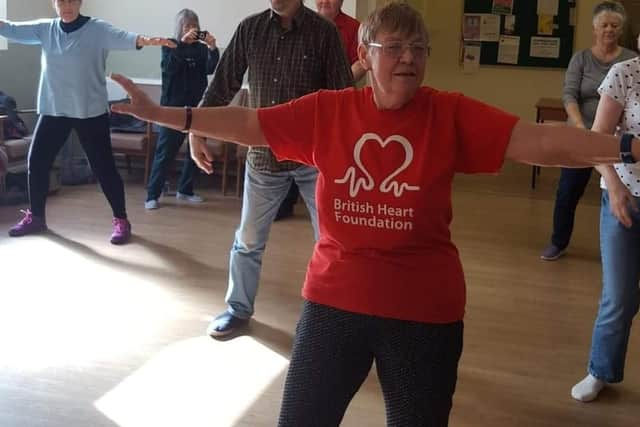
545	47
509	24
508	48
3	15
548	7
471	60
471	26
481	27
490	28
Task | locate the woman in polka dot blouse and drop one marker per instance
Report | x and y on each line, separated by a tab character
619	108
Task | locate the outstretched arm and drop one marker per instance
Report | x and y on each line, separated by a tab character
548	145
143	41
27	32
234	124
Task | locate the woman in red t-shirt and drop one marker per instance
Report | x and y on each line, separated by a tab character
385	282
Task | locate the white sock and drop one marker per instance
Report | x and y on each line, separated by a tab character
587	389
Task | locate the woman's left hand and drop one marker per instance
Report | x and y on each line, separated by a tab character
155	41
210	41
141	106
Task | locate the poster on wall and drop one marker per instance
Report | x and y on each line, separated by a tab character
3	15
502	7
471	58
509	24
508	49
548	7
545	47
481	27
545	24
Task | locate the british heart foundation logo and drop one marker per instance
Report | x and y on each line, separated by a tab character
359	177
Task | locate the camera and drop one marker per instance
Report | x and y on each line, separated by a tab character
201	35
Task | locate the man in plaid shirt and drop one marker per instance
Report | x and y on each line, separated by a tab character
288	51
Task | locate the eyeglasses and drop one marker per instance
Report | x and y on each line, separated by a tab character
396	49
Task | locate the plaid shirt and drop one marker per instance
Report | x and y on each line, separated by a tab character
283	64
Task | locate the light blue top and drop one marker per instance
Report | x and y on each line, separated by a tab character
72	79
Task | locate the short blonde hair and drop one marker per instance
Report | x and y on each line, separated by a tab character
393	17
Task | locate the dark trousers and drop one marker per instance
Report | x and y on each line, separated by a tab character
50	135
333	351
570	189
286	207
168	145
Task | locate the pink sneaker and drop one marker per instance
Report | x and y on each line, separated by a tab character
121	231
29	224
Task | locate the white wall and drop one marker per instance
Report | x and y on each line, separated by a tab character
221	17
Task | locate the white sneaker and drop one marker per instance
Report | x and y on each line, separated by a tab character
151	204
193	198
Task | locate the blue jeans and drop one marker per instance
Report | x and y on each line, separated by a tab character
167	147
620	251
263	194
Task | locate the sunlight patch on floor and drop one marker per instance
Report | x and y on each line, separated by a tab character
197	382
73	307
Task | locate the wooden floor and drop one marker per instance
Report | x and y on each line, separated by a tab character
97	335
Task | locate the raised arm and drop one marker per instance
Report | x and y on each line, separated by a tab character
235	124
566	146
143	41
23	32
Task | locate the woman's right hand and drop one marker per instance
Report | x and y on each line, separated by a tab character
200	153
190	36
621	201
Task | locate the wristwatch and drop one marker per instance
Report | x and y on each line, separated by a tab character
625	148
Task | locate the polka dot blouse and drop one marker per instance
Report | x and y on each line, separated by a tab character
622	84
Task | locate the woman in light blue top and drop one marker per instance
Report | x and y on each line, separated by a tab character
73	95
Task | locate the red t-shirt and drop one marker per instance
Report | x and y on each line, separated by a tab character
384	194
348	28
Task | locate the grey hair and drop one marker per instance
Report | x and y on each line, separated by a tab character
393	17
184	16
610	7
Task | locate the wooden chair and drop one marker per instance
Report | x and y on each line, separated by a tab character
138	144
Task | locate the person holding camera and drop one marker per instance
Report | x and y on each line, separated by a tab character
184	79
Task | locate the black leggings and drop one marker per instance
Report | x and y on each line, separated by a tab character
50	135
417	364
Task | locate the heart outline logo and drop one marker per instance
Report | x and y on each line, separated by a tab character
368	183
